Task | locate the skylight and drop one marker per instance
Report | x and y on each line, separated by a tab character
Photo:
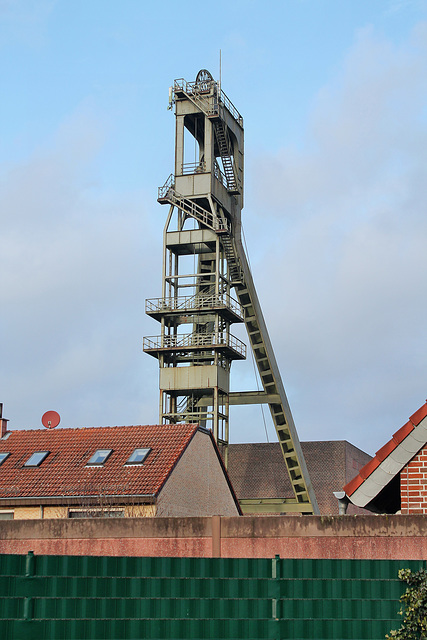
138	456
100	456
3	456
36	459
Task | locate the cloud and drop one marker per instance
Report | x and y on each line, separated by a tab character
344	270
73	255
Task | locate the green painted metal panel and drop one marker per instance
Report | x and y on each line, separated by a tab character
163	608
202	598
312	588
78	586
11	565
11	608
152	567
138	629
335	629
345	569
338	609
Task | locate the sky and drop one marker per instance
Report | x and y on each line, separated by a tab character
334	99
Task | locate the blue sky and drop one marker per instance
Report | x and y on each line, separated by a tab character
333	94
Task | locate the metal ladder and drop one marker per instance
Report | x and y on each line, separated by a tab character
241	277
226	156
272	384
234	268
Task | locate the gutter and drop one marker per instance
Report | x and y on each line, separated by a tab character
81	500
342	502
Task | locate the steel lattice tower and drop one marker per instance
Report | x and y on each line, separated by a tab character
207	283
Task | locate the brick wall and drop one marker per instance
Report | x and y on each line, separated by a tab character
413	485
197	486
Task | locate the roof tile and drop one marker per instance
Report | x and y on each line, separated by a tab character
386	450
419	415
64	472
369	467
401	434
354	484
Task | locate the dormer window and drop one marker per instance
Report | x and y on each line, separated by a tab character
36	459
99	457
3	456
138	456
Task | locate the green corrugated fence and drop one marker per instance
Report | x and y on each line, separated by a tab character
86	597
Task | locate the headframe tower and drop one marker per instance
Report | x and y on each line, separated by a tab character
207	284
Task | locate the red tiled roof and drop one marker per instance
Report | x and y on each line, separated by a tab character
386	450
64	471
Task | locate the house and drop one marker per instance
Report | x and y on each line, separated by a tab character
395	480
260	478
167	470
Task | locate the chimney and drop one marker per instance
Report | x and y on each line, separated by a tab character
3	422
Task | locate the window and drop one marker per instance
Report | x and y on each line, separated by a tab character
6	515
100	456
3	456
111	512
138	456
36	459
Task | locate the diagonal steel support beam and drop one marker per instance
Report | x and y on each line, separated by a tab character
272	382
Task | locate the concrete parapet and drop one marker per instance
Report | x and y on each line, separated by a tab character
363	537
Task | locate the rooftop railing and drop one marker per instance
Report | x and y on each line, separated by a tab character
193	167
194	303
196	340
206	89
169	184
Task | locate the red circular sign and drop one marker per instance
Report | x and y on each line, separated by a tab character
51	419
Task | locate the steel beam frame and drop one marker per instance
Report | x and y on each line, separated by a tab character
209	193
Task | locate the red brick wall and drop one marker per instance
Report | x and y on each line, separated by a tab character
413	485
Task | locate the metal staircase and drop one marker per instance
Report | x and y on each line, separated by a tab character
224	147
219	224
234	267
188	409
199	95
191	208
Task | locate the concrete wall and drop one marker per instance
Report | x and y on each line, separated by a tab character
364	537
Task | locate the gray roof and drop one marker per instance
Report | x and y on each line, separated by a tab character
257	470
